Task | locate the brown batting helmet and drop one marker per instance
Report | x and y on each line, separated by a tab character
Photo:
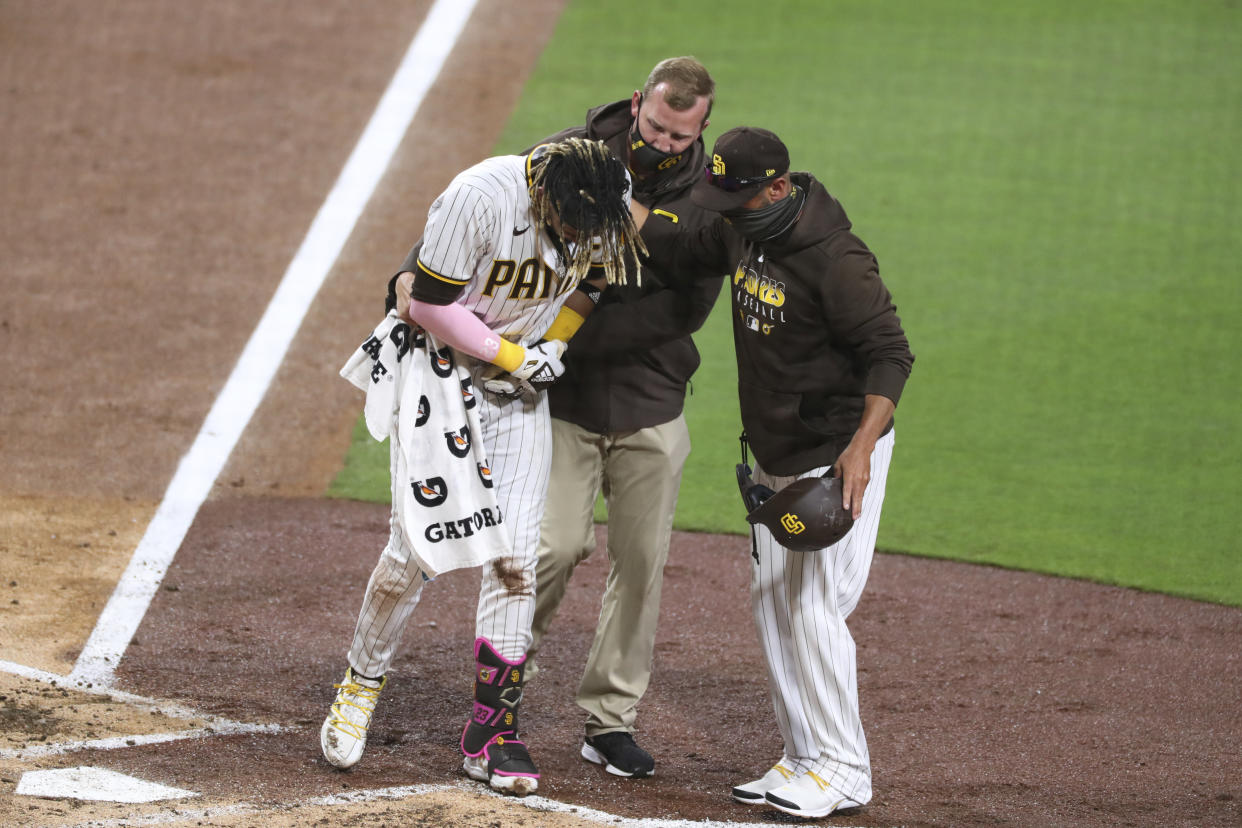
805	516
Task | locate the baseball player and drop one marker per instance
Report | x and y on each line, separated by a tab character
499	277
822	360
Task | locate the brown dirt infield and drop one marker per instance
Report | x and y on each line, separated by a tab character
160	164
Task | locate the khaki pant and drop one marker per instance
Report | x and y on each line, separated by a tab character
639	473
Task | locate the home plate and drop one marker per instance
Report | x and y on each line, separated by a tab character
94	784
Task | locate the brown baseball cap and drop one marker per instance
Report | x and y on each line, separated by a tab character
743	160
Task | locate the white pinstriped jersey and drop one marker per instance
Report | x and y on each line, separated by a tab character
481	235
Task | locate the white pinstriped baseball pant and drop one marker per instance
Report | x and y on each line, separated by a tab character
517	435
800	602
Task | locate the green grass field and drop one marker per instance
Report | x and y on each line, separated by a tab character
1052	190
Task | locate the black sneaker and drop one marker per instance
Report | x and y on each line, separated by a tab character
619	754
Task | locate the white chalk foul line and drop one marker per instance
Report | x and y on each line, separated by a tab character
535	803
266	349
213	725
118	742
168	708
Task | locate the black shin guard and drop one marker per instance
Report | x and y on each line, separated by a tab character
492	733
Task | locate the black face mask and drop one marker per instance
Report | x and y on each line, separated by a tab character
766	223
646	159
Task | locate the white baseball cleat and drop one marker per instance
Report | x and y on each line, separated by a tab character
808	796
343	736
752	792
521	780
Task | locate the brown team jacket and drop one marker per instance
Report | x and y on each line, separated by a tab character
628	365
814	327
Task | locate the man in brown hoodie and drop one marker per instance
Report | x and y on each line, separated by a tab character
822	360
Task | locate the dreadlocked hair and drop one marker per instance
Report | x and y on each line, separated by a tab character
586	186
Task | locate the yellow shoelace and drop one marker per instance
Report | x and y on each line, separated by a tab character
368	696
823	786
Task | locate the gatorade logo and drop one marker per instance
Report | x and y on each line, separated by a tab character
430	492
458	441
442	362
